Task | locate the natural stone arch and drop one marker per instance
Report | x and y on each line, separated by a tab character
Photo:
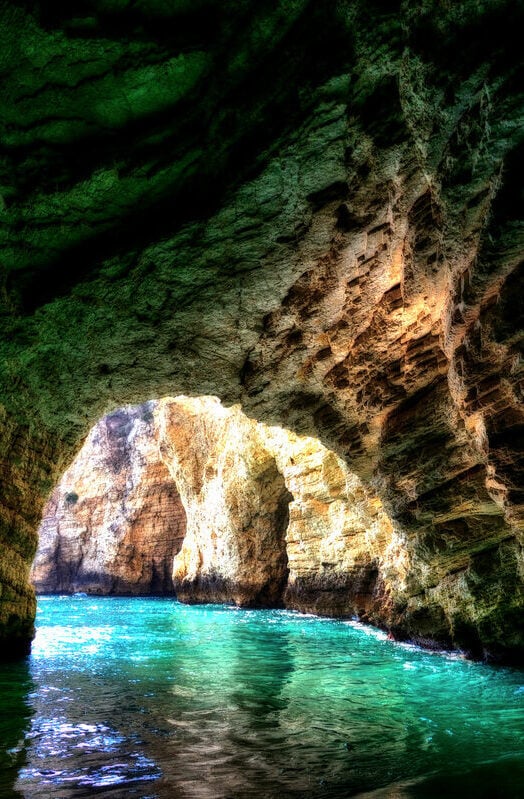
272	518
335	551
359	281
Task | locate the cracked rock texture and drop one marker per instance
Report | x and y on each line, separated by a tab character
310	209
115	521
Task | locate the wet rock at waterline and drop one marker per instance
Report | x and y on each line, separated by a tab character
309	209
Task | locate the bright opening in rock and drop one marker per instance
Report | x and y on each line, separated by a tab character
185	496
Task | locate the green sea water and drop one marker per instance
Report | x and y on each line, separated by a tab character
151	699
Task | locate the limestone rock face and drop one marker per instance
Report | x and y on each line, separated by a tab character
310	209
115	521
345	555
332	551
236	504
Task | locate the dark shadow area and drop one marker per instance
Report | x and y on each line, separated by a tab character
15	718
501	780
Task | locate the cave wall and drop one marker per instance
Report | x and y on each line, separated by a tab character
313	210
115	521
26	477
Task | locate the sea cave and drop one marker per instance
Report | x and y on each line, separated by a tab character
261	412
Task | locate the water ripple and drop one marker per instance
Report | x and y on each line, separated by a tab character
153	699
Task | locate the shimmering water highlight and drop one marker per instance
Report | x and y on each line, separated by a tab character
151	698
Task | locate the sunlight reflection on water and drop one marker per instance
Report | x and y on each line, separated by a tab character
150	698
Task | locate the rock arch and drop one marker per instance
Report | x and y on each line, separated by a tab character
250	513
332	242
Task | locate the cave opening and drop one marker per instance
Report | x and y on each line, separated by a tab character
185	497
243	522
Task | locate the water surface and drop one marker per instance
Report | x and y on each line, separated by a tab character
151	699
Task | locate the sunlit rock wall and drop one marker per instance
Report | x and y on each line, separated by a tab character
236	503
310	209
275	518
345	555
115	521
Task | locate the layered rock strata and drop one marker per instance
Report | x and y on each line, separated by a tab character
310	209
115	521
341	553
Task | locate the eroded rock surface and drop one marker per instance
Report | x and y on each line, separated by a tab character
236	503
310	209
115	522
275	518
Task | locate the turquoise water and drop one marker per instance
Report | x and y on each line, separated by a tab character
150	698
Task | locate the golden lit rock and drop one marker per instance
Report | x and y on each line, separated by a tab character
334	551
236	504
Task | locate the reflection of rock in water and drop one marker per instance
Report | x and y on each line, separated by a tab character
218	732
251	713
260	673
152	698
15	717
